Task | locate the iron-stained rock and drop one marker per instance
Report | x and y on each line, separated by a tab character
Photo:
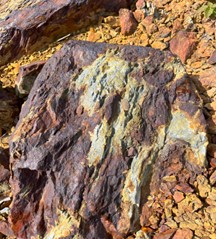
97	120
29	29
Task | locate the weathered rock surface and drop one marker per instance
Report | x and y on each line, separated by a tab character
30	28
96	121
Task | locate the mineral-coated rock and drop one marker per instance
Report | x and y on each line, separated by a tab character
27	76
33	27
183	44
127	21
101	122
212	59
207	78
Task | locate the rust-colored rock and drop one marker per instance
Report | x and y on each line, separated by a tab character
127	21
31	28
183	44
103	126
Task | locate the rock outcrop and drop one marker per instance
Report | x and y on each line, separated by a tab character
100	127
33	27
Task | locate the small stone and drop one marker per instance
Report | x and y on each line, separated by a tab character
212	150
213	162
125	105
127	22
93	36
79	110
184	187
183	45
144	39
203	186
213	178
159	45
197	65
178	196
139	15
164	32
140	4
177	26
183	234
171	178
207	78
165	235
212	59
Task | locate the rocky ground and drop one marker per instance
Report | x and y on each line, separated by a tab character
185	206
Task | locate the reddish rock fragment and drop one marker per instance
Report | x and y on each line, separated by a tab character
5	229
213	162
165	235
184	187
127	22
207	78
140	4
139	15
178	196
183	45
183	234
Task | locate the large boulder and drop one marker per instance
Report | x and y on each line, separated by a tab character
98	119
31	28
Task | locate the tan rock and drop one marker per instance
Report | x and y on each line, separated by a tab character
183	234
213	178
144	39
159	45
208	78
203	186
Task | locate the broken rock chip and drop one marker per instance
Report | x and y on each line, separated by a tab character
70	155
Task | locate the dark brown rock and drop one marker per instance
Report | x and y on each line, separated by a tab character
97	120
127	21
9	109
31	28
27	76
183	44
4	165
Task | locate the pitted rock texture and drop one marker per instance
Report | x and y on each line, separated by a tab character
29	29
97	120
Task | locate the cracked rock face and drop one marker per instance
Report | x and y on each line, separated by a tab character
101	120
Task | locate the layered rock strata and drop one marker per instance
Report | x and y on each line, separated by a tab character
100	126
